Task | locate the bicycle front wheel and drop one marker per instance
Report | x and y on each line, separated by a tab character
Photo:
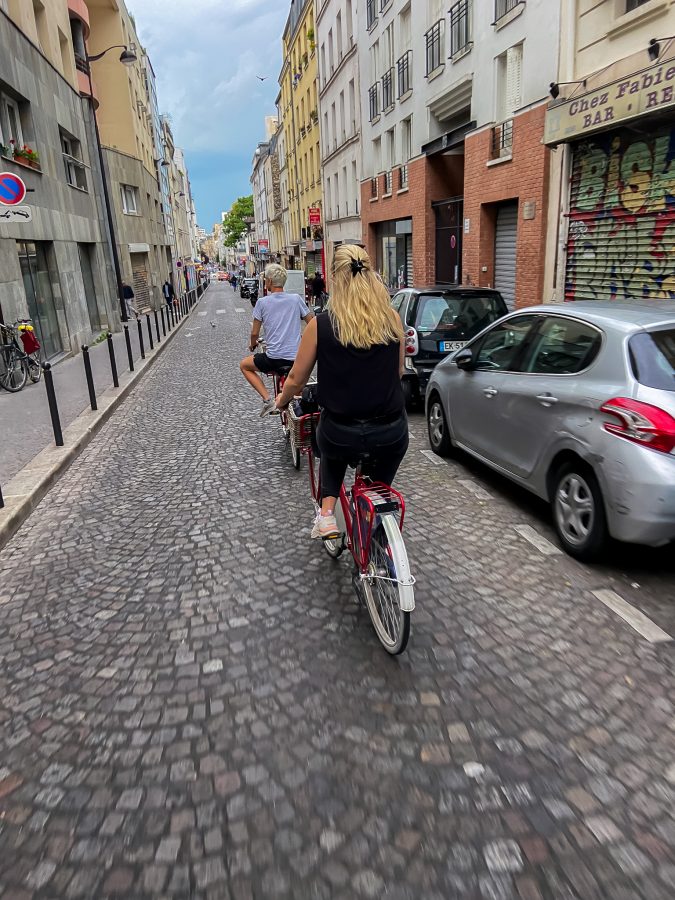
34	367
387	586
15	374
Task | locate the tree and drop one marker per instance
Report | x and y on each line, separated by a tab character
233	222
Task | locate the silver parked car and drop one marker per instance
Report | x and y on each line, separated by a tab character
576	403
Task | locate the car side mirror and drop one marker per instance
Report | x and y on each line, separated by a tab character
464	359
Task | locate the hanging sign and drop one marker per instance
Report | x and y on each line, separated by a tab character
12	189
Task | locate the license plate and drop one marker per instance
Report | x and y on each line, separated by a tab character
451	346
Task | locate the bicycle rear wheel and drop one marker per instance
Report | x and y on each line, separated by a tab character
34	367
15	374
387	586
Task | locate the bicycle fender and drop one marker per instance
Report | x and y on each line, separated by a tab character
400	557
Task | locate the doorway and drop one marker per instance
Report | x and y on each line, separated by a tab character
449	240
39	295
86	251
506	233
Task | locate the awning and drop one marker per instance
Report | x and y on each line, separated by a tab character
448	141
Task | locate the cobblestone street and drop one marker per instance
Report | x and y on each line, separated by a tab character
192	704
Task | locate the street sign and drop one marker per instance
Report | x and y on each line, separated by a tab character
12	189
315	215
16	214
263	245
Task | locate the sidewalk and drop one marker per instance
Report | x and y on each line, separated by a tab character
24	417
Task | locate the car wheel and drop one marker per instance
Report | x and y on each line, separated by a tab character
437	426
579	512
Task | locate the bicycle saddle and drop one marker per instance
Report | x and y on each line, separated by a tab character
283	370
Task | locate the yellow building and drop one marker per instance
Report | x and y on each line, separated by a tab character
300	124
47	24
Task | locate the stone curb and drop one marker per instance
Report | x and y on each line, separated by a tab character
26	489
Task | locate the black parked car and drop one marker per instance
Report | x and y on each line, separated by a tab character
437	321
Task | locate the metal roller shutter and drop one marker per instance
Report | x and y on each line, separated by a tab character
506	233
622	218
139	271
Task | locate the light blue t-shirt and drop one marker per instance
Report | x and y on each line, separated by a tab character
281	314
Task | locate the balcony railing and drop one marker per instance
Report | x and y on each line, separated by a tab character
388	89
373	188
374	101
502	7
460	31
404	67
387	182
371	12
502	139
81	64
403	177
434	46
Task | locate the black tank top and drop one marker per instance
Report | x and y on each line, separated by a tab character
353	383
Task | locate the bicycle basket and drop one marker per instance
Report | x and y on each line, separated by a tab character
304	427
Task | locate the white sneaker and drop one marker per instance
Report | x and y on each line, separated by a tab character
325	527
267	408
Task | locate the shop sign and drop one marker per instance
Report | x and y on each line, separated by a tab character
263	245
647	91
315	215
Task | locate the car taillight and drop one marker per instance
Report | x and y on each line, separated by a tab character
411	344
642	423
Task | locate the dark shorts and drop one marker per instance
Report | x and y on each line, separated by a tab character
269	366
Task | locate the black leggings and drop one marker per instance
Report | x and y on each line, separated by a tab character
340	445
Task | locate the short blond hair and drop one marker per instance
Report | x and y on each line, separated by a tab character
275	275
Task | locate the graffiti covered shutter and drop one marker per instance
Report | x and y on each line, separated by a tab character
622	219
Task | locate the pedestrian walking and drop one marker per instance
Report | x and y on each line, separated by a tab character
318	289
168	293
128	294
233	282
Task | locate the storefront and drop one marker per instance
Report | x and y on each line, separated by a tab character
395	253
621	221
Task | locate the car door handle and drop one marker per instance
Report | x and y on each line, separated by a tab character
547	399
490	392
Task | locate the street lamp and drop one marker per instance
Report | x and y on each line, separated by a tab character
127	58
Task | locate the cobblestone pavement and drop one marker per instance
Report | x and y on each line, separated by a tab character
193	705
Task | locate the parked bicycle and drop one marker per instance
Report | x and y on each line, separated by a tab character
19	363
370	520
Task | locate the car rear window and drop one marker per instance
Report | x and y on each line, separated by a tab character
457	316
652	357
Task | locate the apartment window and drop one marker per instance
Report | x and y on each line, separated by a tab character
129	199
388	47
334	121
377	154
355	186
390	148
326	136
633	4
343	124
460	36
502	7
373	188
338	35
371	13
375	61
404	70
374	101
10	121
350	23
331	57
405	32
388	89
434	40
406	139
509	82
352	107
76	173
323	64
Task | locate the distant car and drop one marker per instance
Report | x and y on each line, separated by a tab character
576	403
246	286
437	321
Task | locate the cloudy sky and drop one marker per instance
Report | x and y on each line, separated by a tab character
206	55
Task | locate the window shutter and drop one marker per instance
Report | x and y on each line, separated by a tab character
514	77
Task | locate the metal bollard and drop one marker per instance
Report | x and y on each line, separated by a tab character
157	325
113	361
2	500
53	407
127	341
163	322
140	338
89	376
147	319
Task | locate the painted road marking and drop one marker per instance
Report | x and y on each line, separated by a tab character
202	313
431	456
239	309
542	545
475	489
221	312
636	619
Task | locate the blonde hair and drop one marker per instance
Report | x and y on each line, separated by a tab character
360	306
276	275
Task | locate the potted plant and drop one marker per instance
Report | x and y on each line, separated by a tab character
305	59
4	151
314	116
25	155
310	38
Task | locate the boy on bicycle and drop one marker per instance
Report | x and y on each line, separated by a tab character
281	314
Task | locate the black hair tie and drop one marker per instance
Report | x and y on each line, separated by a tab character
357	266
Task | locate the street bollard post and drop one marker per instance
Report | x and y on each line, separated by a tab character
157	325
147	319
89	376
2	501
127	341
53	407
113	361
163	322
140	337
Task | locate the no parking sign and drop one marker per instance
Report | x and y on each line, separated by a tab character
12	189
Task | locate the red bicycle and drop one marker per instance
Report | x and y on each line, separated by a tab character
370	519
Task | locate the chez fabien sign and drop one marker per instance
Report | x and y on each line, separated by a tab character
651	90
